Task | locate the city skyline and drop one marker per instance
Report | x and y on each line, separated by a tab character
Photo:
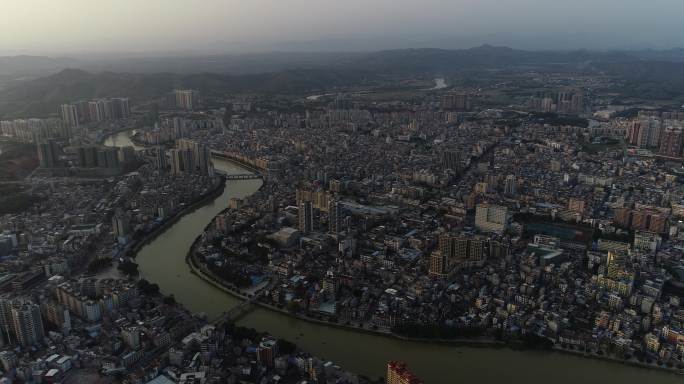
378	192
541	215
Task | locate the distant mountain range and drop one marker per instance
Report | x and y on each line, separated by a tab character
41	97
32	65
424	59
653	73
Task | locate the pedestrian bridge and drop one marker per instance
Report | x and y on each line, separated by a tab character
236	312
240	176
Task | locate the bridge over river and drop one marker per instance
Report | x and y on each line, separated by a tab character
163	261
239	176
236	312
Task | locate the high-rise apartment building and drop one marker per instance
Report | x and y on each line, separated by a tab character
461	251
187	160
28	323
160	160
34	130
452	160
87	156
57	314
200	156
8	360
511	185
623	217
82	110
671	141
126	155
320	198
334	219
308	217
569	101
104	157
120	108
121	224
645	131
69	114
266	352
438	265
641	219
48	153
456	101
131	337
107	158
94	111
175	159
187	99
577	103
491	218
660	130
190	156
6	323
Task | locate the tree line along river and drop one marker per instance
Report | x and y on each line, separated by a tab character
162	261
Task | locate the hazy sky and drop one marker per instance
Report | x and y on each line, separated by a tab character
68	26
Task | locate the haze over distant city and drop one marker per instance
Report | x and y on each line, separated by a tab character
158	26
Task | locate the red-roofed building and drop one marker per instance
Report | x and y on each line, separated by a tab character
398	373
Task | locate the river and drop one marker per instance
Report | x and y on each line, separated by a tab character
121	139
316	97
163	262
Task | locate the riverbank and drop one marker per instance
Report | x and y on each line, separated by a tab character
101	140
238	162
394	347
163	262
483	343
195	268
216	191
633	363
207	276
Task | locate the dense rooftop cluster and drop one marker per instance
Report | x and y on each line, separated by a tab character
414	217
555	238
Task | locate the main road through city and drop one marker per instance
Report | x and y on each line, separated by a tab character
163	262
